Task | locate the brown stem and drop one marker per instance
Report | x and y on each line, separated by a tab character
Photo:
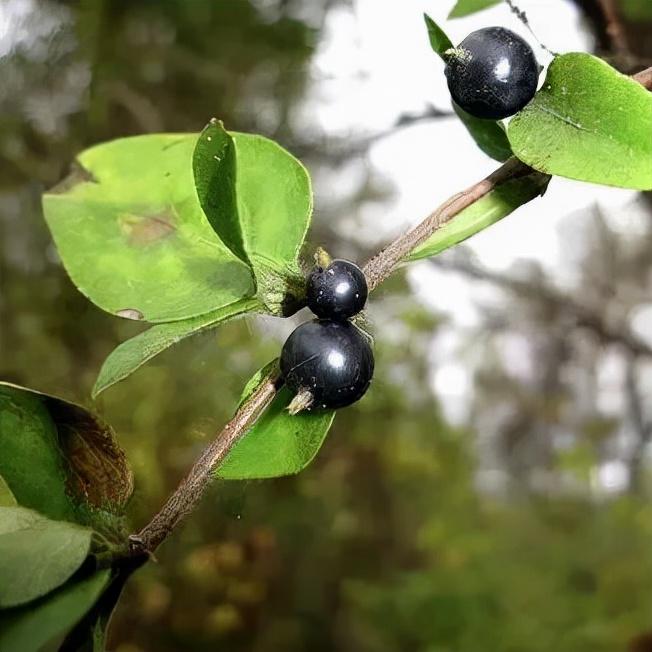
190	491
384	263
192	487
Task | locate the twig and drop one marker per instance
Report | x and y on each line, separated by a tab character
192	487
384	263
188	494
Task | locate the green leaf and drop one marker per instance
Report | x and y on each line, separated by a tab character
489	135
29	628
37	554
497	204
7	499
131	233
256	195
588	122
278	444
60	459
467	7
439	41
258	198
134	353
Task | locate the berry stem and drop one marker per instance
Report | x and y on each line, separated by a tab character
302	401
191	489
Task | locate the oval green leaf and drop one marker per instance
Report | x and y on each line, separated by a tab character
257	197
131	233
60	459
37	554
467	7
134	353
278	444
29	628
497	204
588	122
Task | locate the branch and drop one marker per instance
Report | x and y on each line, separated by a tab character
384	263
188	494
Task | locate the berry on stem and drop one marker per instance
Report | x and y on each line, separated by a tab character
331	360
338	291
492	73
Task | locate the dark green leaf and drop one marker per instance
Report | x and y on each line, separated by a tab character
278	444
134	353
60	459
588	122
29	628
499	203
467	7
438	39
133	237
258	198
37	554
7	499
490	136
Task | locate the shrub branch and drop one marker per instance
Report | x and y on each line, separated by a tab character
191	489
188	494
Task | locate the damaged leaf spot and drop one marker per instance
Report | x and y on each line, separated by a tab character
130	313
98	473
144	230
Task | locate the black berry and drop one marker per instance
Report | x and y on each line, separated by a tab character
492	73
337	292
333	360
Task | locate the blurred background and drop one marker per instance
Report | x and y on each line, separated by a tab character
492	491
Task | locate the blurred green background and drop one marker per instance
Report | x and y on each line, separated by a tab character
411	531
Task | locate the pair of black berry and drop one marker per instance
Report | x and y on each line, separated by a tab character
330	357
492	73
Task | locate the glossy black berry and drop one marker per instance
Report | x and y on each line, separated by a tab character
333	360
492	73
337	292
